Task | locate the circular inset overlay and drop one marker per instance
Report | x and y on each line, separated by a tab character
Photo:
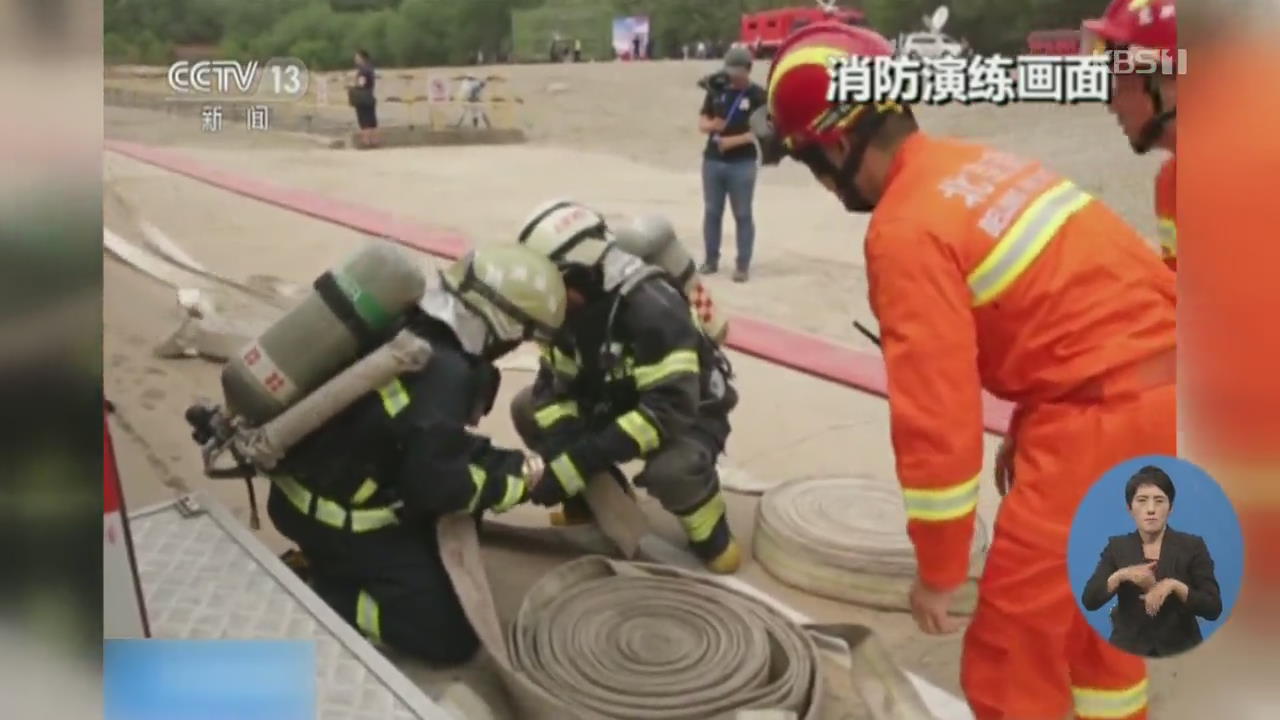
1156	556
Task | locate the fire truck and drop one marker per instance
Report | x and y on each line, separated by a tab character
764	31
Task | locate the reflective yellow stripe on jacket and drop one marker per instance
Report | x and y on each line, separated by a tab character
941	504
331	513
567	473
676	362
1024	240
1168	231
636	425
559	363
394	397
1109	704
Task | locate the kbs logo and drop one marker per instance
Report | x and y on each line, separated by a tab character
1148	61
278	79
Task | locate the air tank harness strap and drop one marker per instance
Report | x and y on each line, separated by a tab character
335	514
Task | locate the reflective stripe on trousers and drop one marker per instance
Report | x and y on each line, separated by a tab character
1022	243
1092	703
368	616
700	523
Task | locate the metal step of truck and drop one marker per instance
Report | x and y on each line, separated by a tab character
206	576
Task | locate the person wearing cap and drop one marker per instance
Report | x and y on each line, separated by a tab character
729	159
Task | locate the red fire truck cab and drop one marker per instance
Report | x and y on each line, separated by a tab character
764	31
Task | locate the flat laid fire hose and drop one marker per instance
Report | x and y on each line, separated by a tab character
598	638
844	538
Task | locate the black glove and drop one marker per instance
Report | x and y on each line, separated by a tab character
549	490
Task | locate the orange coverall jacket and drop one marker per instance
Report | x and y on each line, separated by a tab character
1167	212
986	270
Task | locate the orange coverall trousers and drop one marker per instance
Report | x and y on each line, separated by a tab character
1029	654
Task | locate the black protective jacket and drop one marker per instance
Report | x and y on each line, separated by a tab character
411	439
632	369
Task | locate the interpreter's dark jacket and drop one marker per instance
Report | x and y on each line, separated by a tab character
1174	629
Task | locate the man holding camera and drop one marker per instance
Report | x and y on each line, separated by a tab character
729	160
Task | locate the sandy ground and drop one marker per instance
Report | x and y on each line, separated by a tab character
620	138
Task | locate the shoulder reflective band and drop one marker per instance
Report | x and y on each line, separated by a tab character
1123	703
568	475
394	397
1168	231
1022	243
677	361
639	429
944	503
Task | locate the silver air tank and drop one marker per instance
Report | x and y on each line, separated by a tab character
351	309
653	239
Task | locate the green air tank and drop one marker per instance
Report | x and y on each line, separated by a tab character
351	309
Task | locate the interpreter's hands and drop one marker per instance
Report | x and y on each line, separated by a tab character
929	608
1004	467
716	126
1143	575
725	144
1155	597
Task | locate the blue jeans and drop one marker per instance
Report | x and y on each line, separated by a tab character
737	179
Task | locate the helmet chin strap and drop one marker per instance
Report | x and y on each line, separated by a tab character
846	189
1154	128
468	326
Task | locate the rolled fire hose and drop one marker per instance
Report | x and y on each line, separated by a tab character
597	638
845	538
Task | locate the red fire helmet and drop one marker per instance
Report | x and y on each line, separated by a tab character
799	83
1144	23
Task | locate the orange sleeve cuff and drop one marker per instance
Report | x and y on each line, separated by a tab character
942	550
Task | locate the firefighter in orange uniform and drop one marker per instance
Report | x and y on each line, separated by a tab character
987	270
1145	104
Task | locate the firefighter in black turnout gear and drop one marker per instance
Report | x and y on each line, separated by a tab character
631	375
362	494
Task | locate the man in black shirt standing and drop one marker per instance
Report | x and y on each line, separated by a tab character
363	100
729	160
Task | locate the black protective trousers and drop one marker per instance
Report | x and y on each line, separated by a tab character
408	600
